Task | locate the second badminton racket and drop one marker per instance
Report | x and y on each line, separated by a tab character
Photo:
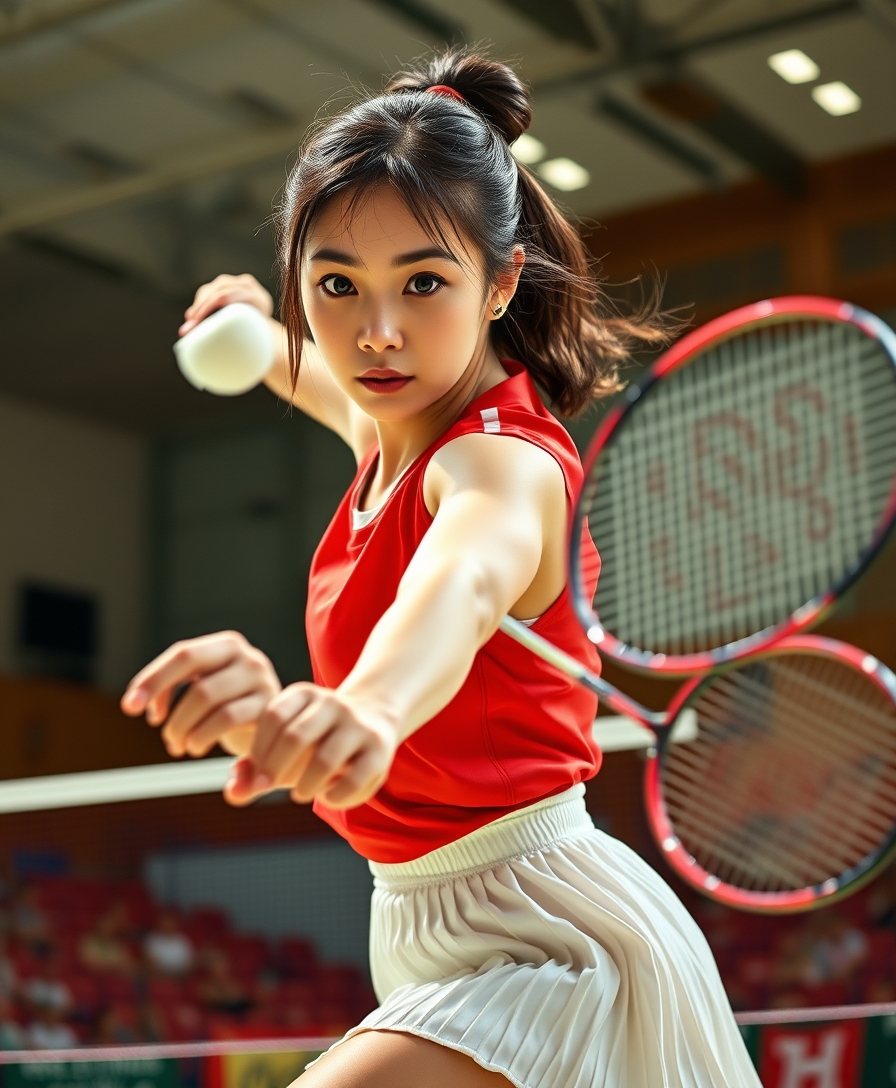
771	785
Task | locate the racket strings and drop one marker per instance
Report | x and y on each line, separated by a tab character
743	485
791	780
804	750
843	842
755	837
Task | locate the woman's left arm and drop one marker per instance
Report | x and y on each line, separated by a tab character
496	502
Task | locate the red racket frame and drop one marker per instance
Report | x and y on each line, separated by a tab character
765	902
814	610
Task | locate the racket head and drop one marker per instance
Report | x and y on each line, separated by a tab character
740	488
783	798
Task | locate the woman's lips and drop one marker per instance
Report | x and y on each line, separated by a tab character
384	381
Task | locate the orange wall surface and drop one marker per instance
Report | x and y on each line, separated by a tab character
54	727
842	194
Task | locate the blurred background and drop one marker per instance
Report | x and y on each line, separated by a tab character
739	148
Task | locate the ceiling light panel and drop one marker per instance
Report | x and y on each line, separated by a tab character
837	98
564	174
794	66
527	149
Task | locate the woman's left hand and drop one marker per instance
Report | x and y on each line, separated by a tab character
317	743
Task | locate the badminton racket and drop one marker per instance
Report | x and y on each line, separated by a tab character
740	488
771	784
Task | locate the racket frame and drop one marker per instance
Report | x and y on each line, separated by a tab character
678	857
769	311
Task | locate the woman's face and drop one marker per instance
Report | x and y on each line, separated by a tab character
397	318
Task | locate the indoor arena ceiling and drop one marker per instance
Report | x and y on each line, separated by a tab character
147	139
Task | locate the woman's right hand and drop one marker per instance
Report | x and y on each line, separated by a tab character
222	291
230	684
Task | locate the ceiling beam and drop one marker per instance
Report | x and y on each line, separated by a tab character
686	99
565	20
595	18
662	138
882	13
244	150
427	19
679	49
24	24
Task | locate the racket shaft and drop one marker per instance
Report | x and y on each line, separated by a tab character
574	669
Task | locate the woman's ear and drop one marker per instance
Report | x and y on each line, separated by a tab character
506	285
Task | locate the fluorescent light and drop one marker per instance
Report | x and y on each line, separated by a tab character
527	149
794	66
123	784
836	98
564	174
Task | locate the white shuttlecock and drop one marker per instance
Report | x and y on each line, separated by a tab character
229	352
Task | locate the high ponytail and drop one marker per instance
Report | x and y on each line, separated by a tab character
448	157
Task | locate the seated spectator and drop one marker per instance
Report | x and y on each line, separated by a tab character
219	990
104	948
49	1031
827	948
841	949
29	925
881	990
168	950
11	1035
9	983
151	1023
46	990
116	1027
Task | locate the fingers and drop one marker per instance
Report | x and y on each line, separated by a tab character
238	790
198	740
222	291
282	711
151	689
287	730
312	742
325	759
363	780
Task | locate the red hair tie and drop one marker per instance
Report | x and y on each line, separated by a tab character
443	88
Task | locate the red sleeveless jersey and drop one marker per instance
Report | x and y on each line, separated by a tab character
518	730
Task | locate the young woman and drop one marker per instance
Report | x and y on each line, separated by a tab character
427	280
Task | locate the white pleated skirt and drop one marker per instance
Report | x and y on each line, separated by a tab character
553	954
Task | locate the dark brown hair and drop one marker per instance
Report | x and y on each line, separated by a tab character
450	161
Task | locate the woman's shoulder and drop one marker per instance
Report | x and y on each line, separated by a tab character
514	409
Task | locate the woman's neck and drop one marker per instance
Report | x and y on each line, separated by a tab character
401	443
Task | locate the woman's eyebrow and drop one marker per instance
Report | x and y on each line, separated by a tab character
424	255
336	256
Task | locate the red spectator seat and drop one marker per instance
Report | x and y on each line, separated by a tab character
248	955
296	958
834	992
183	1021
165	990
119	988
208	925
85	990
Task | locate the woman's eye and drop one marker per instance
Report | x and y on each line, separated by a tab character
338	285
424	284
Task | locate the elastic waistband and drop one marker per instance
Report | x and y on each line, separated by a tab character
522	832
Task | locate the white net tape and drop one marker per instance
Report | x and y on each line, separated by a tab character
744	484
791	778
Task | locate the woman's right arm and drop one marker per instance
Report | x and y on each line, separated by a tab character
316	394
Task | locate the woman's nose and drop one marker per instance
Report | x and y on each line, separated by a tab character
380	333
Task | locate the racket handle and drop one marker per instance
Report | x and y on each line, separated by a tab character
573	668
